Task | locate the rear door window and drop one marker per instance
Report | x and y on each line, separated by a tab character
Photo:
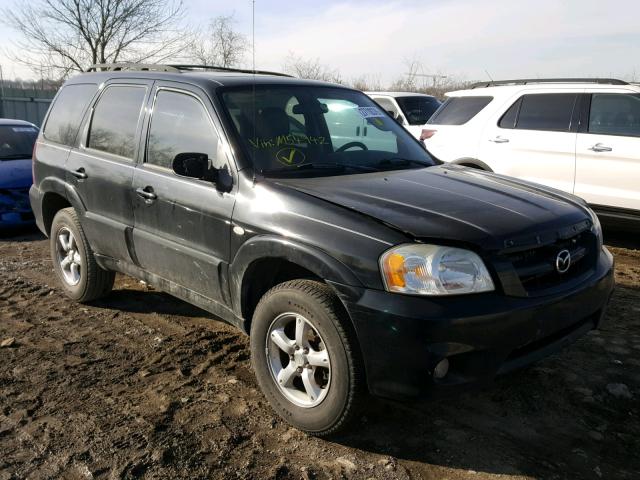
546	111
115	120
615	114
459	110
66	113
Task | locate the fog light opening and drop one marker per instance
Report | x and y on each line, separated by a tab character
441	369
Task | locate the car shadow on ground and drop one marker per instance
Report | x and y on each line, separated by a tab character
149	301
616	237
22	234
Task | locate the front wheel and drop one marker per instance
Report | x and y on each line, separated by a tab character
305	357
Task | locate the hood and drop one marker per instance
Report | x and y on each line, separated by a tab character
15	174
451	203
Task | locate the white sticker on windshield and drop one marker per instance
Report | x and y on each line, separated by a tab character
24	129
370	112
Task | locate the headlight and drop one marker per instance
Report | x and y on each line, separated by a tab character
596	228
421	269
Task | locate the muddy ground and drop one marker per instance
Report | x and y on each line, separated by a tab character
145	386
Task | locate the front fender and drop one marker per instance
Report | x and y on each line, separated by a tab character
271	246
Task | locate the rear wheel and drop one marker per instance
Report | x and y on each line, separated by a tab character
305	358
73	261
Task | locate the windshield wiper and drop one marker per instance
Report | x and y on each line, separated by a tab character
16	156
401	162
318	166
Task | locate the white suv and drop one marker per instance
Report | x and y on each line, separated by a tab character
411	110
577	135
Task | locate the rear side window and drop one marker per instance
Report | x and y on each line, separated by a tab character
459	110
510	117
615	114
548	111
180	124
115	120
66	113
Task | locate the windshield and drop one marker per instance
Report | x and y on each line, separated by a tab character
311	131
16	141
418	109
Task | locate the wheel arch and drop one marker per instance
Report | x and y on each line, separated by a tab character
264	261
57	195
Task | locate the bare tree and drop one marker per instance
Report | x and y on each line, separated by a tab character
366	83
311	69
415	79
220	45
62	36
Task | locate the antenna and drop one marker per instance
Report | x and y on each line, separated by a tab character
490	77
253	32
253	48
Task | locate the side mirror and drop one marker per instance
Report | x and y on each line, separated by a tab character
392	113
192	165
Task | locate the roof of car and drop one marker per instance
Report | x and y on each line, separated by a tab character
510	86
10	121
400	94
205	79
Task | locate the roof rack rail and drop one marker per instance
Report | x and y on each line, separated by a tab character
139	67
177	68
527	81
191	68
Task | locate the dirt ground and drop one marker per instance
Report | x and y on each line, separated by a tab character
141	385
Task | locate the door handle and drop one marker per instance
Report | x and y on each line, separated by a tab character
80	174
147	194
499	139
598	147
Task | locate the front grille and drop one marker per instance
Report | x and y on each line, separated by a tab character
536	267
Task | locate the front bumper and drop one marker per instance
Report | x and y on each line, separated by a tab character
14	208
403	337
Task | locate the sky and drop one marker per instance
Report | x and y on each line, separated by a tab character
466	39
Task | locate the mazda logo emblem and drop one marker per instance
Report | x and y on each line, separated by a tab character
563	261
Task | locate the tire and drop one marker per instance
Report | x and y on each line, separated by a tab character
69	247
328	337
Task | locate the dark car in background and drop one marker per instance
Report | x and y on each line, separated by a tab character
17	138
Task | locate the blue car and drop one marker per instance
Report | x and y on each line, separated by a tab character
17	138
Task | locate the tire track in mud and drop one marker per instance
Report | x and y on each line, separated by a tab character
150	360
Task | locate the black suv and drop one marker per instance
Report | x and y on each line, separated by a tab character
302	213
